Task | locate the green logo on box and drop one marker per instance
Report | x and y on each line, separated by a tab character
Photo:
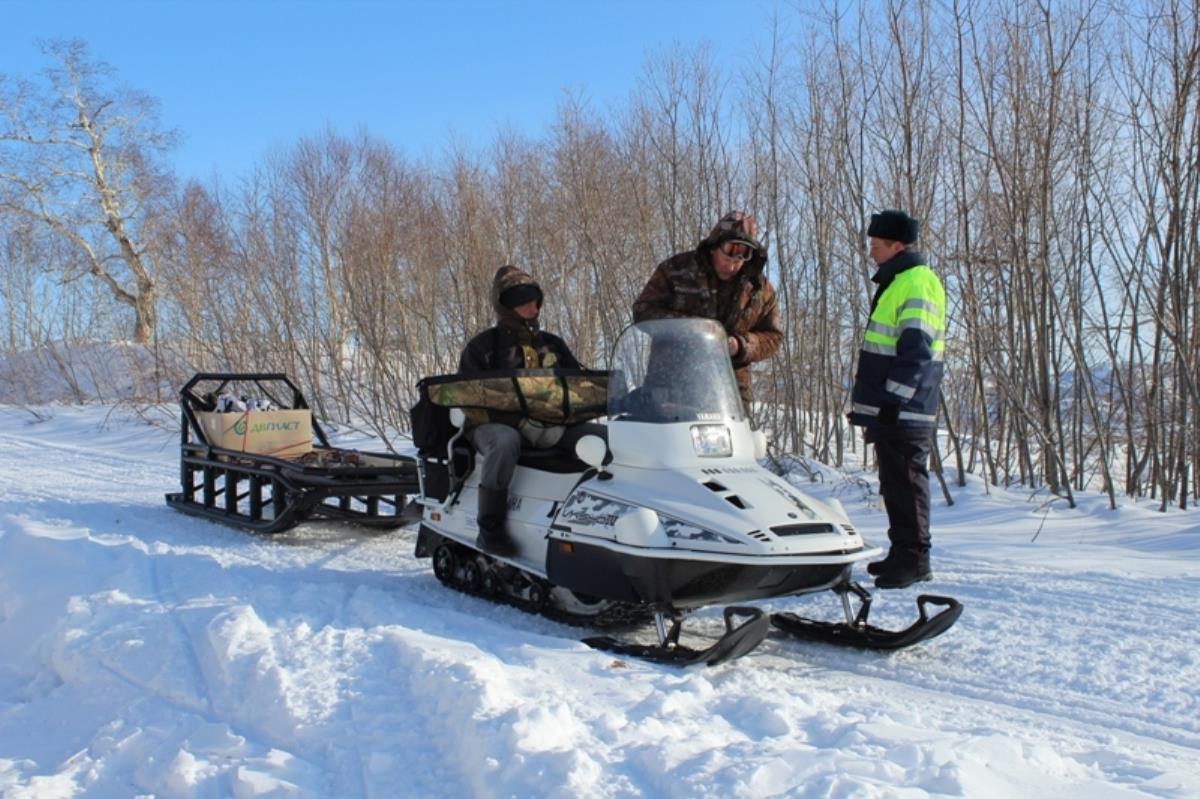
239	427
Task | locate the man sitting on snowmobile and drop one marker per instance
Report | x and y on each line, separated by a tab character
515	342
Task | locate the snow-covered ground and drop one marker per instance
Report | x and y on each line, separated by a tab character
144	652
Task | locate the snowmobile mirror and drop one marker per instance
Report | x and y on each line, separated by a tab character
458	417
592	451
760	444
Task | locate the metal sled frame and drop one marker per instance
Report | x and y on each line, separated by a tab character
267	494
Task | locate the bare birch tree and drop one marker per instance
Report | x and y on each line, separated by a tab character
81	158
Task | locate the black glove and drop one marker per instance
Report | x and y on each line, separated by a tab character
888	414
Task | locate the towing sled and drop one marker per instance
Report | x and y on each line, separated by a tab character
666	512
269	470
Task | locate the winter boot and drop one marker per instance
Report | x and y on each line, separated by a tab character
493	538
878	567
910	566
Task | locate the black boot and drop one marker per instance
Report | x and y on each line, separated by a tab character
493	538
909	567
878	567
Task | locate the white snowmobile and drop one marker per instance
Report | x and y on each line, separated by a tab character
670	514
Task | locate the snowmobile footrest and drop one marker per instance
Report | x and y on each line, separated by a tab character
867	636
736	642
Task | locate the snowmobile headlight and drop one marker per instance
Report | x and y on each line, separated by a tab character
712	440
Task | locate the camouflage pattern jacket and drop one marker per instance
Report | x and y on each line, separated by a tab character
513	343
685	285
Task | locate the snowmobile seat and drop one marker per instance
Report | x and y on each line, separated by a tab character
546	460
551	460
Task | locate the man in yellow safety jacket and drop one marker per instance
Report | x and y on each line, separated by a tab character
895	396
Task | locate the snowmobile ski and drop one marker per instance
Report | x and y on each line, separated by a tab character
737	641
856	632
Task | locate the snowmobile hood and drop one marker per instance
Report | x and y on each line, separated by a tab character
743	512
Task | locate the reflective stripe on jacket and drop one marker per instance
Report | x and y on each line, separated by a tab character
901	358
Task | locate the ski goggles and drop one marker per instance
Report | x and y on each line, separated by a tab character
738	250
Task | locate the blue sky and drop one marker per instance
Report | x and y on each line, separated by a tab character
240	79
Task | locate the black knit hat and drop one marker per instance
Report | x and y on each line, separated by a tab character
894	225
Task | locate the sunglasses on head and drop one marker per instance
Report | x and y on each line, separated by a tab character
737	250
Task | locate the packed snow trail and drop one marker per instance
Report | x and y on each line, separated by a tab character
144	651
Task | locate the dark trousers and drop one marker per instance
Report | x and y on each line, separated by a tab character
904	484
498	446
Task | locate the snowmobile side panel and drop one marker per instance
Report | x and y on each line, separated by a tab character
678	582
593	570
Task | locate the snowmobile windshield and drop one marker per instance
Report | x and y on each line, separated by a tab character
673	370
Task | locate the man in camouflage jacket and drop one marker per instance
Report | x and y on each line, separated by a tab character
721	279
516	341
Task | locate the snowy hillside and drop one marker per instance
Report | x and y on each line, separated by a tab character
109	372
143	652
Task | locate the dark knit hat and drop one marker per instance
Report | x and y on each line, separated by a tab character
894	225
520	294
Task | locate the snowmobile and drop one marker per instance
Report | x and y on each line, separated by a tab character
668	513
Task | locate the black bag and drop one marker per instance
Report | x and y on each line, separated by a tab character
431	428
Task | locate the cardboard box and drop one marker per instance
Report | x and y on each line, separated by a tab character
283	434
